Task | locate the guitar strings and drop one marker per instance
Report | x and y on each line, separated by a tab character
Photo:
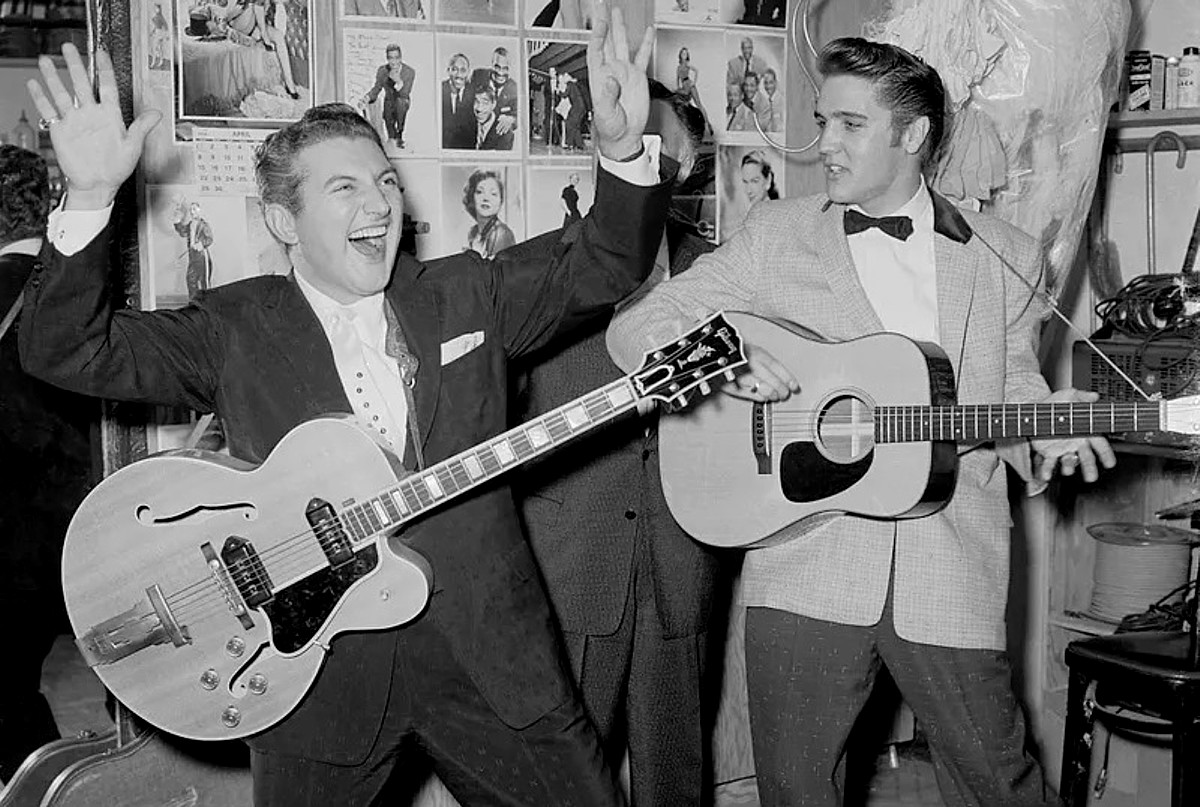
286	557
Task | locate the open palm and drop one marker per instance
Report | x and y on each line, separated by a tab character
96	151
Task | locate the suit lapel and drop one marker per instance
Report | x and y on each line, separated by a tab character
303	338
834	251
955	266
417	313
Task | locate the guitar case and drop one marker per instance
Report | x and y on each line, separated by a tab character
133	766
156	770
31	781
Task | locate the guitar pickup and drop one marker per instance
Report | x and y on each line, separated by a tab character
144	625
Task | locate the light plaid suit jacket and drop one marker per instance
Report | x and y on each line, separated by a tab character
791	261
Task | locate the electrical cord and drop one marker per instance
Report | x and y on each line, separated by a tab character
1153	308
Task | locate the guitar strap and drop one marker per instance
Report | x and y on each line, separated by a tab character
11	316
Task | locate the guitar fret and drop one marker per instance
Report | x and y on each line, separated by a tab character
418	488
433	485
504	452
576	417
410	496
538	435
356	524
399	501
459	475
390	505
473	467
368	514
521	444
491	463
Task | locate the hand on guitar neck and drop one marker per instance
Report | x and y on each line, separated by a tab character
1085	453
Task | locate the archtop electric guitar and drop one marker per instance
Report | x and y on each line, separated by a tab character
872	432
204	591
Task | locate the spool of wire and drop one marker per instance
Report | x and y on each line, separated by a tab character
1137	565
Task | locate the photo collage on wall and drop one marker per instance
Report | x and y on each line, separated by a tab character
483	105
728	58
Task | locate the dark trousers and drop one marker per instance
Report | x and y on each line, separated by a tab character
649	685
395	112
438	720
808	680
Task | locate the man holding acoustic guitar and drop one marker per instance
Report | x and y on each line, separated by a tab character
917	588
418	354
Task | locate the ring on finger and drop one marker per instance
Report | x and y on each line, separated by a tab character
45	123
754	388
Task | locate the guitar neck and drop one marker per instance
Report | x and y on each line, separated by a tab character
440	483
903	424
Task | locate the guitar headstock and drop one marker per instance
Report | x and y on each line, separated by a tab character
1182	415
711	349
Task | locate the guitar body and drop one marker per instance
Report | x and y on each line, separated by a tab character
737	473
147	568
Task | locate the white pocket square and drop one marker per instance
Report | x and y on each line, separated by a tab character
459	346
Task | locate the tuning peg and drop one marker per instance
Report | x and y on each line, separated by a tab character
705	389
728	375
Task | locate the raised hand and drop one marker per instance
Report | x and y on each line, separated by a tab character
95	150
620	93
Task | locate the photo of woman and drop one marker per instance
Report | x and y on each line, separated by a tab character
570	201
758	178
244	59
483	199
748	176
686	76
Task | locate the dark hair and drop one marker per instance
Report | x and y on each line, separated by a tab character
393	48
757	157
275	169
24	194
486	92
473	181
904	83
691	118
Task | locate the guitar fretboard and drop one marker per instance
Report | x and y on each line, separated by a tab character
902	424
462	472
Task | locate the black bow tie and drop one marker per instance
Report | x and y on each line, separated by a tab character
898	227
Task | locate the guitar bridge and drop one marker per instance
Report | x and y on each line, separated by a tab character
144	625
760	431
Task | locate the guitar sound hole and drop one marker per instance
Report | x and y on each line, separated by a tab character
146	515
846	430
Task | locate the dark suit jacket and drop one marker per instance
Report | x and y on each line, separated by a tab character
493	140
458	127
254	352
383	81
506	97
45	448
588	506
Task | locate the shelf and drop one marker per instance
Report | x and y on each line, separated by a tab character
27	61
1161	117
41	24
1080	622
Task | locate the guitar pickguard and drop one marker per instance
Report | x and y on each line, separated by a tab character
298	611
805	475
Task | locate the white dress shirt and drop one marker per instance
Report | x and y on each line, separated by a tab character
900	277
357	333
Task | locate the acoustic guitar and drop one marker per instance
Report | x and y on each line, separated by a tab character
874	431
204	591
